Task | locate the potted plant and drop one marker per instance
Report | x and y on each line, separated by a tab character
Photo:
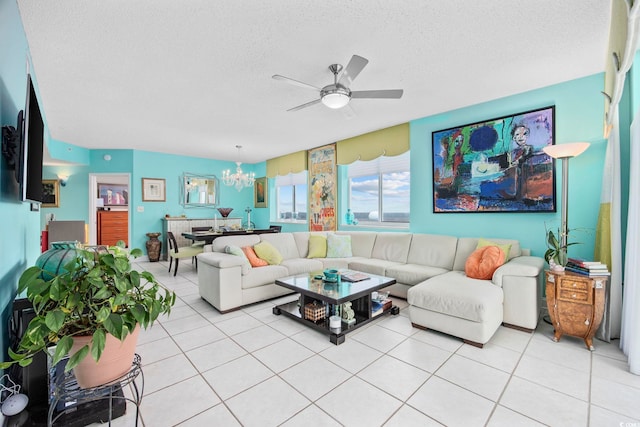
556	253
94	301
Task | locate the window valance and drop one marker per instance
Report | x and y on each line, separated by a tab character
284	165
384	142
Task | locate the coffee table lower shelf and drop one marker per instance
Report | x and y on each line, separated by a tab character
292	310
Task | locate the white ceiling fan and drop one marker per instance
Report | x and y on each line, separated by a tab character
338	94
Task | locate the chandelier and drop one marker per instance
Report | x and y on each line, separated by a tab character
238	179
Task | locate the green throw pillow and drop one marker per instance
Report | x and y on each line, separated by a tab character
339	246
268	252
237	251
506	247
317	246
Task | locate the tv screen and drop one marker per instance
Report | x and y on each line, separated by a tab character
32	145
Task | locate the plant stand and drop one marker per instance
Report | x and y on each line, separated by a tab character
67	396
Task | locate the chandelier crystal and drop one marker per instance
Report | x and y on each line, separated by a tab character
239	179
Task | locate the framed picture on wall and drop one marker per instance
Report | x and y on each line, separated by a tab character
153	190
323	174
260	193
114	194
50	193
496	165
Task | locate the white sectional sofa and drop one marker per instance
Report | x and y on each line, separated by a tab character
429	271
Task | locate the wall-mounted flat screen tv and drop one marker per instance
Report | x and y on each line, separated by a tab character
32	142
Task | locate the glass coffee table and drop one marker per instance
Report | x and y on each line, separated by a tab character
320	299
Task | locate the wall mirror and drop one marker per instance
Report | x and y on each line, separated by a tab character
198	190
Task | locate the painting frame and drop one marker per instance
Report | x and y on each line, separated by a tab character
496	165
113	194
261	193
323	189
154	190
50	193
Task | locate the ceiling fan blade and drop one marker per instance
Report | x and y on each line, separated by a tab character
351	71
308	104
388	93
348	112
295	82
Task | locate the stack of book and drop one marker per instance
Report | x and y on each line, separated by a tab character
587	268
379	306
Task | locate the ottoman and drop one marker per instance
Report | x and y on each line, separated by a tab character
457	305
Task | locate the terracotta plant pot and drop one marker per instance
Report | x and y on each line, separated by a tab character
115	361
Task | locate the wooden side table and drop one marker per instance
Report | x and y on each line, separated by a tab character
576	304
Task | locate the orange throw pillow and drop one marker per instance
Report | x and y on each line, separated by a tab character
253	258
483	262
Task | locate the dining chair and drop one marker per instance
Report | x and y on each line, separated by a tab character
176	253
276	228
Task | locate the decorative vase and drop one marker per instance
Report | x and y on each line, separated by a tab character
225	211
153	247
115	361
349	217
54	260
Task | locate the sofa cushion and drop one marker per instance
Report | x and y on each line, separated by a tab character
432	250
268	252
220	243
361	242
456	295
237	251
466	245
254	260
392	247
302	240
505	247
317	246
373	266
302	266
284	243
338	246
483	262
412	274
263	276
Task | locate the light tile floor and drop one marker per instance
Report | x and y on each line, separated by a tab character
252	368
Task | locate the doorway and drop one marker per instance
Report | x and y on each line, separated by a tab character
118	180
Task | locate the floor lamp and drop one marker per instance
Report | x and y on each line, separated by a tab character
564	152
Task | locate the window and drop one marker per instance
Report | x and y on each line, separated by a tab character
379	189
291	197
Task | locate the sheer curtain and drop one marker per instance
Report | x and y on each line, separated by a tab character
630	336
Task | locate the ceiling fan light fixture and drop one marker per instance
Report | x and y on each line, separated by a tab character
335	97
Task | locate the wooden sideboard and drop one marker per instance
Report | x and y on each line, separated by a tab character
113	226
576	304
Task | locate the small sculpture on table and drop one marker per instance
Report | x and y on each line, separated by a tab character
348	315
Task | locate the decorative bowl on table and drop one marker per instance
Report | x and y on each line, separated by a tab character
225	211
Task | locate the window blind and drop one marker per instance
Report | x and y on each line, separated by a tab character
382	164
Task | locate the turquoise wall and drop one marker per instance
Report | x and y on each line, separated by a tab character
147	216
20	243
578	118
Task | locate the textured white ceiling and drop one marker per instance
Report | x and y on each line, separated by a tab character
193	77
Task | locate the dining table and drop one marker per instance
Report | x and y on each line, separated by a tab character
210	236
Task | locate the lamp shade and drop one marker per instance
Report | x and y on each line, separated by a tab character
335	100
561	151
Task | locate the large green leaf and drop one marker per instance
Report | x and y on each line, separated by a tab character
99	340
62	349
103	314
76	358
29	276
55	319
113	325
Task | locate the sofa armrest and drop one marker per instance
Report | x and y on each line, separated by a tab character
524	266
520	282
220	260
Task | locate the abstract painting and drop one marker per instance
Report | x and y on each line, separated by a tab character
322	188
496	166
